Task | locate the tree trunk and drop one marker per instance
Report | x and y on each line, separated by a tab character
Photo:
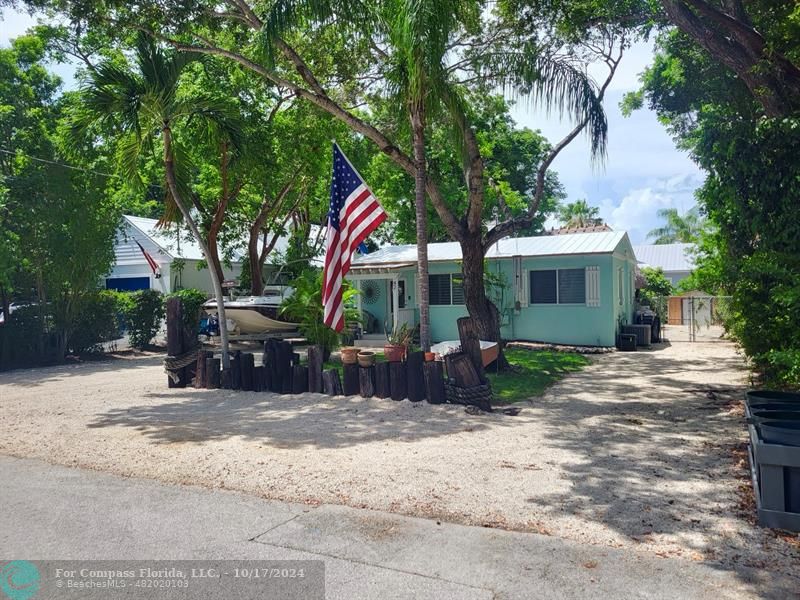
172	183
256	277
418	129
212	258
773	80
479	307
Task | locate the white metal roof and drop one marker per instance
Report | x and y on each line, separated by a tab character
188	249
670	257
604	242
166	239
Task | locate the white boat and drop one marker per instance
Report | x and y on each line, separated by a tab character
253	314
489	350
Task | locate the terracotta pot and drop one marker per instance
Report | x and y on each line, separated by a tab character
430	356
349	355
366	358
394	352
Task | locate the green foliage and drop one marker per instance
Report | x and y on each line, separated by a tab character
57	217
402	335
533	373
656	283
304	306
677	228
512	156
751	196
24	339
143	312
656	291
192	301
98	321
781	368
579	214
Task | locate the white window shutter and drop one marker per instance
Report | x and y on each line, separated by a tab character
593	286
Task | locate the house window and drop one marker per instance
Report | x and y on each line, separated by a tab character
621	286
445	289
439	289
458	288
558	286
571	286
544	287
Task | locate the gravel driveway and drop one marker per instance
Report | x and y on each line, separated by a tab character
641	451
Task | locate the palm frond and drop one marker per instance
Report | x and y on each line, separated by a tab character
353	18
556	85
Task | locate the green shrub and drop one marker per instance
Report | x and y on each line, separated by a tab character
192	301
23	339
143	312
98	321
305	307
780	368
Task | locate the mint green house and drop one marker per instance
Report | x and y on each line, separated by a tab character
569	289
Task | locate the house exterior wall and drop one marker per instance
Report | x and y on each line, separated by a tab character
129	262
555	323
200	279
569	323
592	323
624	275
675	277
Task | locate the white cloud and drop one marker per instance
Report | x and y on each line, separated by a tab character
643	171
637	212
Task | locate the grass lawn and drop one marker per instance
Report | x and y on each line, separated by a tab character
536	370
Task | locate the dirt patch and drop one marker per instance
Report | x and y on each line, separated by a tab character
639	450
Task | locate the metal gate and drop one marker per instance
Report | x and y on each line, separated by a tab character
695	317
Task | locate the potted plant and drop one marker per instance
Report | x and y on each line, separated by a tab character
349	355
304	306
397	343
366	358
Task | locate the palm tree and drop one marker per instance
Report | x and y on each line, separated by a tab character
143	106
686	228
544	75
419	31
579	214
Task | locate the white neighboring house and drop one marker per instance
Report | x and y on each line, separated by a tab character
676	260
132	271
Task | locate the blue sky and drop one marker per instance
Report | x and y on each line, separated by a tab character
643	171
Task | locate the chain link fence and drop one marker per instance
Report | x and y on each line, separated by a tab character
693	317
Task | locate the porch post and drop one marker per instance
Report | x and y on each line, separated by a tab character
395	302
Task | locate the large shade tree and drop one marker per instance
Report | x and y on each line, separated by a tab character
142	104
330	57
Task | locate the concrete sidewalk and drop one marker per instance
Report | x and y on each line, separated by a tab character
53	512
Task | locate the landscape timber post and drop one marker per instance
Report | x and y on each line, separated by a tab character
315	369
416	381
175	339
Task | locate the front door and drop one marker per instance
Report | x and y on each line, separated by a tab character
401	294
404	314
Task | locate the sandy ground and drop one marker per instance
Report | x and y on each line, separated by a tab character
632	452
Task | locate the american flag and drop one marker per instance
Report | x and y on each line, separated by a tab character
354	214
153	264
